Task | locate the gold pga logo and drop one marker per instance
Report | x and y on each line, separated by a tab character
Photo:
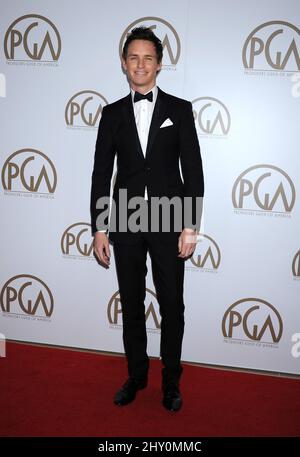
252	319
29	170
28	295
152	316
32	37
84	109
207	255
264	188
211	116
273	46
296	265
76	241
165	32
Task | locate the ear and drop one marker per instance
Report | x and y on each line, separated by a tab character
124	66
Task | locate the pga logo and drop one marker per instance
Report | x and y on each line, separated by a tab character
296	347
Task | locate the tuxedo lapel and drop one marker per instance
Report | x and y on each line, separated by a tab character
130	119
157	117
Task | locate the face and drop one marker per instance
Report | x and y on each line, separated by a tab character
141	65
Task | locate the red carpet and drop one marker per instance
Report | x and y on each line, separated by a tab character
53	392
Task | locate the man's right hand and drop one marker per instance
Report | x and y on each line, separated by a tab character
101	248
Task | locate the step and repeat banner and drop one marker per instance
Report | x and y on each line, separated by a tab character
239	64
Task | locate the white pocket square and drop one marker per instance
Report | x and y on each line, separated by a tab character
166	123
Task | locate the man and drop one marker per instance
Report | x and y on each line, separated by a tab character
151	133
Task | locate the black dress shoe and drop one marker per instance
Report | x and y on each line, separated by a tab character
128	391
172	399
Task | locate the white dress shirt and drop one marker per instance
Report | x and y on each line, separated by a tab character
143	111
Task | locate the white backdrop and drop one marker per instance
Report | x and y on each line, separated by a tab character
239	64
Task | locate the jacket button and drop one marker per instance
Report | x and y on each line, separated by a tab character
147	168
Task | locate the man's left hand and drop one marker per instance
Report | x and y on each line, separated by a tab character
187	242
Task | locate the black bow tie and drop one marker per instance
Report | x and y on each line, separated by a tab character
137	97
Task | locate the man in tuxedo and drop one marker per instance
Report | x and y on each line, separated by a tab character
152	134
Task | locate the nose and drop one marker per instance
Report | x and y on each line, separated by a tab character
141	63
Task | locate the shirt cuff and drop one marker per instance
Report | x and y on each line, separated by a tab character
190	230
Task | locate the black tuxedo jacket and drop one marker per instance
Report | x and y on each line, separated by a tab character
159	169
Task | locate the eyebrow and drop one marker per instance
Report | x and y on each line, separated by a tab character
144	55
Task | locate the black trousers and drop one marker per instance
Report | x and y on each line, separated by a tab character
168	277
